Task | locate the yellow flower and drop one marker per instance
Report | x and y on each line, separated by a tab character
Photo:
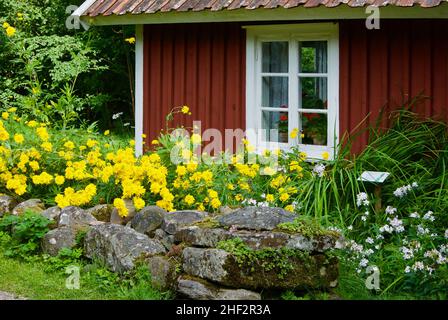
12	110
155	142
230	186
189	199
59	180
10	31
325	155
212	194
289	208
121	207
294	133
91	143
130	40
139	203
47	146
132	142
69	145
107	132
181	171
6	25
143	136
284	197
5	115
196	138
215	203
270	198
41	132
18	138
185	110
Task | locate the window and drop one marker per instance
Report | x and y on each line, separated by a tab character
292	84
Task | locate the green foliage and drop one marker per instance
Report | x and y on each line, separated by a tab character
53	73
26	231
305	226
268	258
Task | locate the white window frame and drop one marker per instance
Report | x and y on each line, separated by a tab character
293	33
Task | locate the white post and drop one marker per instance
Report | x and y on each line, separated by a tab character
139	37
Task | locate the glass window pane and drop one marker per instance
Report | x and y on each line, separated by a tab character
313	56
274	92
275	126
275	57
314	93
314	128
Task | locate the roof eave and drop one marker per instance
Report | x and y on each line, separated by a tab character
279	14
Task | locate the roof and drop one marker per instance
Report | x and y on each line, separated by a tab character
123	7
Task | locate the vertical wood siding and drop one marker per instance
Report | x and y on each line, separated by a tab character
198	65
203	66
383	68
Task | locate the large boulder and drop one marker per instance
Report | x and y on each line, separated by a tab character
148	220
210	237
76	218
34	205
57	239
198	289
118	246
163	272
52	214
115	218
173	221
303	272
256	218
7	204
101	212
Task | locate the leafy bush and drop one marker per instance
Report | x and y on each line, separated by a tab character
26	232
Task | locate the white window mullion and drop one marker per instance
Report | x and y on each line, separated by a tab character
293	88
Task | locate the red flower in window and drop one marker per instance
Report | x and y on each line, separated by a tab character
283	117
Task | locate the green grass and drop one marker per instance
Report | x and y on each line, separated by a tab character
31	281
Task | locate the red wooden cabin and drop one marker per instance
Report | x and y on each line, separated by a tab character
315	65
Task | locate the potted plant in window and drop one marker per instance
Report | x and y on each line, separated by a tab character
283	128
315	127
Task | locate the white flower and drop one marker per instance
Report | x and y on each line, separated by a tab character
126	124
422	230
362	199
380	236
446	234
351	228
407	269
364	218
377	247
397	224
418	266
429	216
368	252
391	210
404	190
386	228
364	262
117	115
407	253
414	215
369	240
319	170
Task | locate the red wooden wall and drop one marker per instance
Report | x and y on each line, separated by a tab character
382	68
203	66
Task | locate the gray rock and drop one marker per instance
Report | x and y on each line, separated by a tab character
101	212
76	218
209	238
57	239
173	221
226	210
52	214
7	204
165	238
198	289
118	246
115	217
257	218
201	237
304	272
34	205
148	220
163	272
